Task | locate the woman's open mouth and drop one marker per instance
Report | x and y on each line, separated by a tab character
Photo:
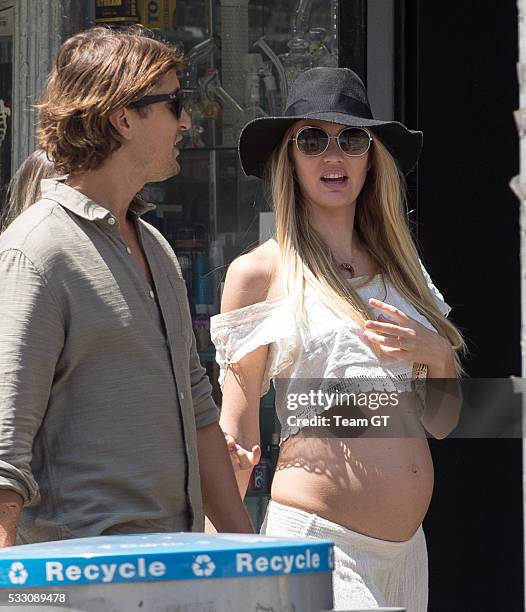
334	179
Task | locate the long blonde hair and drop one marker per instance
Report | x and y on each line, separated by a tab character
381	225
24	187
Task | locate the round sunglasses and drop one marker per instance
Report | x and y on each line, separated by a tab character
176	100
314	141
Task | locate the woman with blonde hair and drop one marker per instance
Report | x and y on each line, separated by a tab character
339	293
24	187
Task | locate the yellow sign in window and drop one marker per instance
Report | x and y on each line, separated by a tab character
153	14
104	3
157	14
110	11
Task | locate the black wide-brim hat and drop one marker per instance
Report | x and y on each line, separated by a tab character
328	94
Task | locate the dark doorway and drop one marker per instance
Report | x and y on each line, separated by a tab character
456	77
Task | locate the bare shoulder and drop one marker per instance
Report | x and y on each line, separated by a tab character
251	278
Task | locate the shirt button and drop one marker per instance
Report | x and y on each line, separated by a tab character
152	294
129	250
111	221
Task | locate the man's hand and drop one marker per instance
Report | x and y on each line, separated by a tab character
10	507
241	458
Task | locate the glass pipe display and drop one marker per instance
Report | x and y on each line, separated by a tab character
249	85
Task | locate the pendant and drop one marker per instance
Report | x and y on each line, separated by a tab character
348	268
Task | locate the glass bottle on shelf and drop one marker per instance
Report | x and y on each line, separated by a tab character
298	58
252	64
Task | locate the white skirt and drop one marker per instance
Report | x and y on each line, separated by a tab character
368	572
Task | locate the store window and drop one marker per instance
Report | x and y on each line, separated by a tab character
6	70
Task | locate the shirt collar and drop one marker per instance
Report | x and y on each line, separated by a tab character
81	205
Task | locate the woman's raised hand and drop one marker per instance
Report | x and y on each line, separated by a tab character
404	337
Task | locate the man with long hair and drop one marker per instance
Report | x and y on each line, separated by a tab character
107	424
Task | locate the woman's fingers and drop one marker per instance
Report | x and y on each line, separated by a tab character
401	336
391	341
391	310
232	450
230	442
242	458
248	459
390	329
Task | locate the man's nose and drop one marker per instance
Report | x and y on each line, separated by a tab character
185	122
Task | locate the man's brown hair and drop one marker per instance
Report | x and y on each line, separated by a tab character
97	72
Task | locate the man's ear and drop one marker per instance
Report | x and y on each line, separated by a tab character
120	120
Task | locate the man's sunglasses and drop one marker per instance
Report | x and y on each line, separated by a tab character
313	141
176	98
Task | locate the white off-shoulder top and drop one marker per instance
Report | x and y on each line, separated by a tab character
329	345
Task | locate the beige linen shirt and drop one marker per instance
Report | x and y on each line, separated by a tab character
101	389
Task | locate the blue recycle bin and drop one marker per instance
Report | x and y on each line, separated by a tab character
190	572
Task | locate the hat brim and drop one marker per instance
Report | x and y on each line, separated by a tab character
262	135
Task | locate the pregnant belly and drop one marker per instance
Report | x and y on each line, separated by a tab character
378	487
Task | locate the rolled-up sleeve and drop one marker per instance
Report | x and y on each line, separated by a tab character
31	339
205	409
